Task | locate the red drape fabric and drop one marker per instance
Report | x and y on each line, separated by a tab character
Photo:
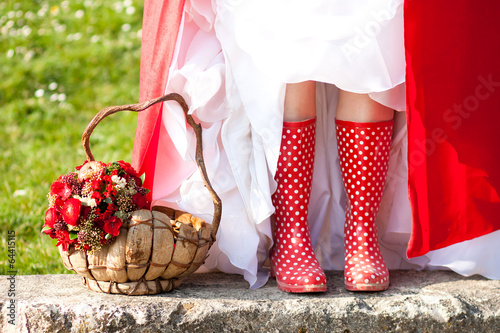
161	22
453	104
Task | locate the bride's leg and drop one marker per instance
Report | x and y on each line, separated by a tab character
293	261
364	130
361	108
300	101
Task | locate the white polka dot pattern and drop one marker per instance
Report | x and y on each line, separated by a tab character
364	150
293	260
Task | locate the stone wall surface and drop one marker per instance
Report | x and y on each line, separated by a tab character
431	301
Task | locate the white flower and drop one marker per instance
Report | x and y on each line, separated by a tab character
43	11
118	7
126	27
26	31
29	15
119	182
39	93
29	55
20	193
79	14
92	202
89	202
53	86
130	10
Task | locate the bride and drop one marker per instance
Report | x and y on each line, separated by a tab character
315	167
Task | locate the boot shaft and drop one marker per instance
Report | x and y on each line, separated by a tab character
294	173
364	150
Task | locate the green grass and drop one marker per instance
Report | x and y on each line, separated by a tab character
60	63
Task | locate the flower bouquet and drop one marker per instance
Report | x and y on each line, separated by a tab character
107	232
88	207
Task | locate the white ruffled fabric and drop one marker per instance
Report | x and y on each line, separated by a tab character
232	62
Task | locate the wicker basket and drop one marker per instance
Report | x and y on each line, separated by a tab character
156	248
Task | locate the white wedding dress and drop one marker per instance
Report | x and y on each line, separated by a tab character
232	61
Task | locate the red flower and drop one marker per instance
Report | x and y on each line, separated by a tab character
97	197
103	238
85	212
110	191
128	168
98	223
96	185
140	200
63	190
58	205
110	210
50	217
50	232
138	181
71	211
112	226
63	239
112	207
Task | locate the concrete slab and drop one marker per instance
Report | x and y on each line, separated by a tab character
428	301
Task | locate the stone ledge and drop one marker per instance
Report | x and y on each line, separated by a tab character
430	301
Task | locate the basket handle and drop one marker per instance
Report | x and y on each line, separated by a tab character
199	146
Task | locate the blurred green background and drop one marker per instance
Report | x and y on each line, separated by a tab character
60	63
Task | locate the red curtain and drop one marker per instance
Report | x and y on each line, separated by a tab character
453	101
161	22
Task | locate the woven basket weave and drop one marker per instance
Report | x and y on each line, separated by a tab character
155	249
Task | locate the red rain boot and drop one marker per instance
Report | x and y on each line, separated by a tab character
364	156
293	261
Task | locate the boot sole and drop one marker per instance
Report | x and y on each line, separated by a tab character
366	286
308	288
